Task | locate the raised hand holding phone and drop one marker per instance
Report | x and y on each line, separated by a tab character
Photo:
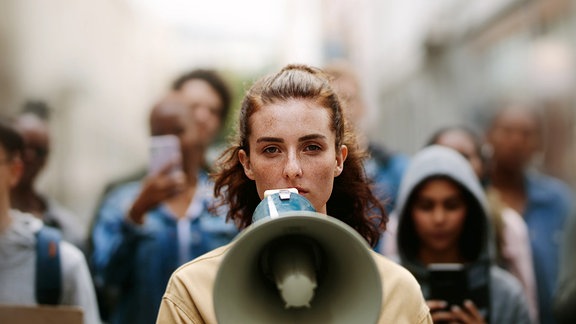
165	176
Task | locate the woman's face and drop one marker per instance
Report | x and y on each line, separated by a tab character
206	107
292	145
515	138
439	212
36	137
461	142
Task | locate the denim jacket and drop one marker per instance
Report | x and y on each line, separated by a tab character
134	262
548	207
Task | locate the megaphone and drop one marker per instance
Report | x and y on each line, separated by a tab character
294	265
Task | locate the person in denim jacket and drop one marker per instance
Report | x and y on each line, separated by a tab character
515	135
146	229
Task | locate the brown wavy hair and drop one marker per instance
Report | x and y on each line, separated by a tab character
351	201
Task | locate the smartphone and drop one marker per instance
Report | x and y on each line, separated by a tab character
455	283
448	282
164	149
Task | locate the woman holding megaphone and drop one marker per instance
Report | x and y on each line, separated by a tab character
292	134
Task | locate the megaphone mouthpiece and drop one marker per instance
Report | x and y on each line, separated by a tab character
279	201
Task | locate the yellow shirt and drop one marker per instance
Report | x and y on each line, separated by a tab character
189	297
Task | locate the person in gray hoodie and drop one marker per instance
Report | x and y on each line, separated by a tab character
18	238
443	219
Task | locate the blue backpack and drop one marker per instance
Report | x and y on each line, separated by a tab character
48	267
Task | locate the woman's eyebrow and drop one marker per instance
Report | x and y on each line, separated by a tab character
270	139
281	140
311	137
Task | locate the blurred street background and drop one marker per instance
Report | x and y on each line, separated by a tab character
423	64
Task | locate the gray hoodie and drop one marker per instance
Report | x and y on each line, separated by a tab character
506	303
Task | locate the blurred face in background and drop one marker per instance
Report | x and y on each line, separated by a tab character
206	107
462	142
11	168
515	138
439	211
36	137
348	90
171	116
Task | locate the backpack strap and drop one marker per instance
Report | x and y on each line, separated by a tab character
48	268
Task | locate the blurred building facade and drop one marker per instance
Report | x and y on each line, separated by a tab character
98	66
423	64
518	49
101	65
431	64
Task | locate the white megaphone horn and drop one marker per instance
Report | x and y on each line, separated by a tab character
294	265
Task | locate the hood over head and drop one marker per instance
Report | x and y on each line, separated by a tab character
442	162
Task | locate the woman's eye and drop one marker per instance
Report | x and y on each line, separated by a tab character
271	150
424	205
453	204
313	147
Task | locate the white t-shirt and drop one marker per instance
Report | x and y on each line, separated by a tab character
18	268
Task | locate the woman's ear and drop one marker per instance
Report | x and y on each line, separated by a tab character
245	160
340	158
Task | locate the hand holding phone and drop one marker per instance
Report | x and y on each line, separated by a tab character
453	298
469	314
165	176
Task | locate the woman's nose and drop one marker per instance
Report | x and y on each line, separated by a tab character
293	167
201	114
438	215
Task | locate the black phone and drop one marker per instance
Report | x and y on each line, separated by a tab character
454	283
448	282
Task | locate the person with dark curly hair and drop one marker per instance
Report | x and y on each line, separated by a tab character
292	133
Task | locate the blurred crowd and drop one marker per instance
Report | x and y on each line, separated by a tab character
471	195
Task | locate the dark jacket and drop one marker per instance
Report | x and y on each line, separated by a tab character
565	299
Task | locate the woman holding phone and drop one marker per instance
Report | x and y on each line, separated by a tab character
292	134
443	225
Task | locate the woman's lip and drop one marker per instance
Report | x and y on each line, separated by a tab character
301	191
440	236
